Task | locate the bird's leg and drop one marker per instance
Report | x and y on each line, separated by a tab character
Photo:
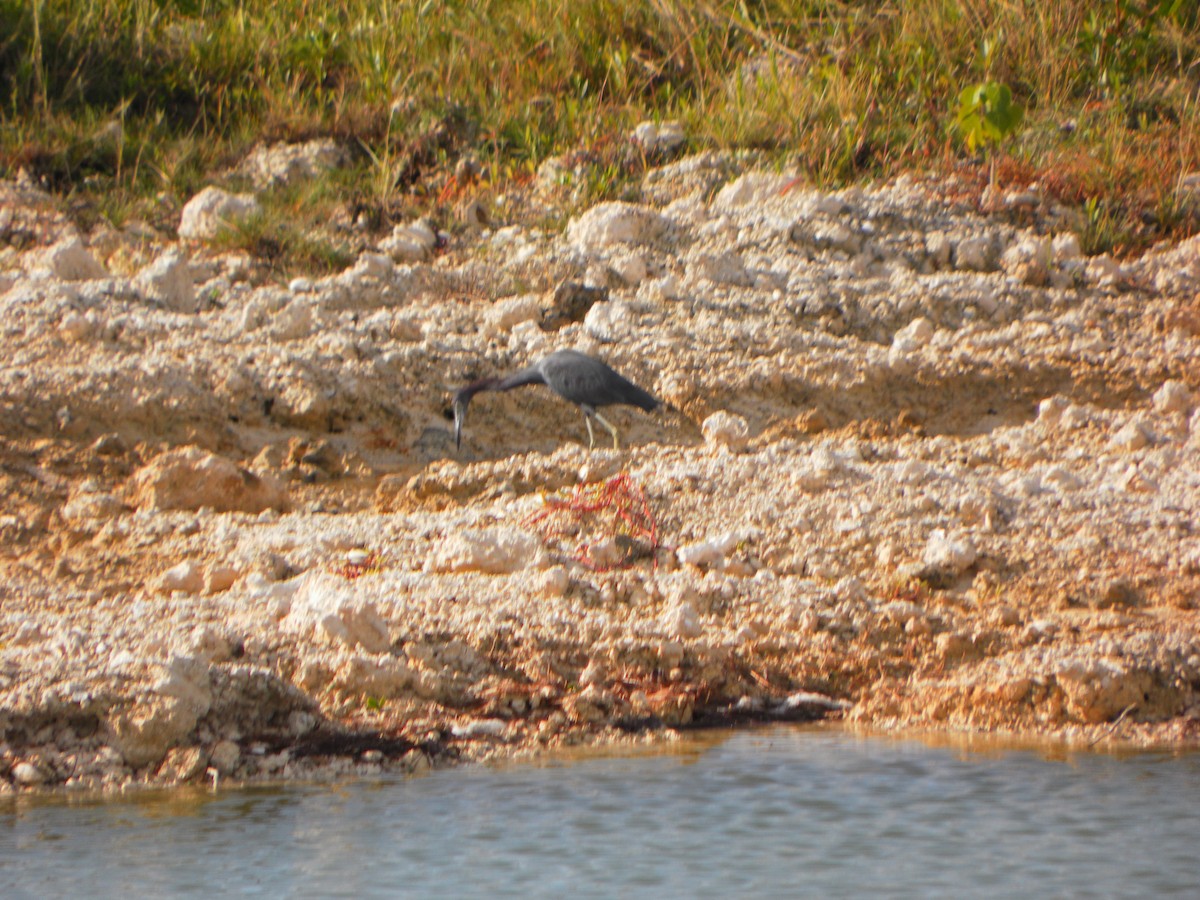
587	418
611	430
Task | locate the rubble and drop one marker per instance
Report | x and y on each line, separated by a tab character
923	467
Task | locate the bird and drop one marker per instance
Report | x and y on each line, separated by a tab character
581	379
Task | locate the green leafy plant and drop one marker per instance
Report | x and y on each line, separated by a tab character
987	115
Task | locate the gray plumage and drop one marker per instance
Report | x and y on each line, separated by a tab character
574	376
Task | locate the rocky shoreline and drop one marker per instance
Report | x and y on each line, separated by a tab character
926	465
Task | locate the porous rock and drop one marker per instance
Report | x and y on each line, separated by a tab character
213	210
609	321
283	163
948	553
494	551
726	429
187	576
330	609
70	260
190	478
615	223
664	137
168	282
144	734
1173	397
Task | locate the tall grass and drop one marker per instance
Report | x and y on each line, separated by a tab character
153	97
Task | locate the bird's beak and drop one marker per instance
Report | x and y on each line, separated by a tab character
460	416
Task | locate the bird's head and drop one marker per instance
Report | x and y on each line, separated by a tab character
462	397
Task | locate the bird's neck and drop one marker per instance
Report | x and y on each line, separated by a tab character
465	394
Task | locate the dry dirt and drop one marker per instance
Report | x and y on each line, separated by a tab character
924	466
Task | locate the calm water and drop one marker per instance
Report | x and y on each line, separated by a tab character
776	813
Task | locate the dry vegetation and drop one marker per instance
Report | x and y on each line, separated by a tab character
126	107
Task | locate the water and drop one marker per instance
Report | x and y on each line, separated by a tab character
778	813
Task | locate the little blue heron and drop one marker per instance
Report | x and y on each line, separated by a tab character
574	376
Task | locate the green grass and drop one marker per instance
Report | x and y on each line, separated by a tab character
118	104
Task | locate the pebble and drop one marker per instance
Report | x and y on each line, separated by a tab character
665	137
609	321
410	243
946	553
726	429
284	163
977	254
506	314
1130	438
721	268
27	775
1172	397
191	478
682	621
187	576
709	553
480	728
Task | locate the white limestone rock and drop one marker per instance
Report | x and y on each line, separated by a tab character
144	734
70	260
938	248
665	137
78	327
1098	690
213	210
410	243
1051	410
26	774
682	621
382	676
726	429
187	577
609	321
629	267
611	224
721	268
168	282
1131	437
494	551
329	609
294	321
976	254
1066	247
949	554
913	336
88	508
1028	260
754	189
1104	271
504	314
709	553
1173	397
283	163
